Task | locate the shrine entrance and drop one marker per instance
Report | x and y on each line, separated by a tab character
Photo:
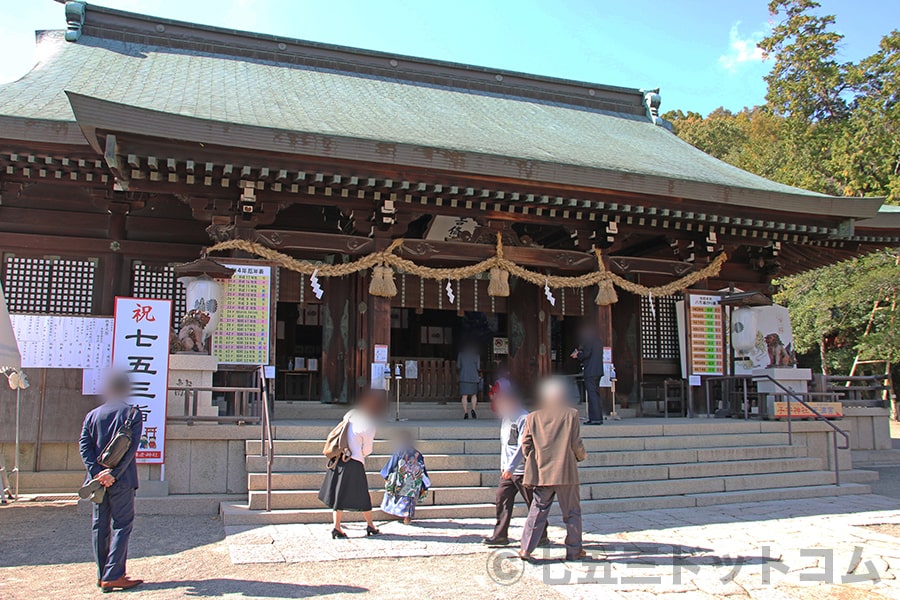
426	343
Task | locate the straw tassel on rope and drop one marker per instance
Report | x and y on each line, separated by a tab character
606	294
498	285
382	283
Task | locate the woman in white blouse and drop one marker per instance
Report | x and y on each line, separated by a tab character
346	487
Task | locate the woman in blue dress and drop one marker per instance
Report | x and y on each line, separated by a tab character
406	480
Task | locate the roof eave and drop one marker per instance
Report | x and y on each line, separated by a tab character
95	114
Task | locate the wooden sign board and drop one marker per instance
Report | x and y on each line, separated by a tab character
243	336
829	410
705	334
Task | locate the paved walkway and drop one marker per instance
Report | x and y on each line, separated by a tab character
847	547
760	550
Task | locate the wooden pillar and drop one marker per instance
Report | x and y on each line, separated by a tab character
338	337
528	328
605	331
113	263
373	324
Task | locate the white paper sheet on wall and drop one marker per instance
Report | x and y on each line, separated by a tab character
61	342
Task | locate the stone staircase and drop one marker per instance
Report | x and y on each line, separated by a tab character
632	465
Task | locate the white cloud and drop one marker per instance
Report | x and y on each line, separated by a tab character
741	49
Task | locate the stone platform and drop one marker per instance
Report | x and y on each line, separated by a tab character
634	464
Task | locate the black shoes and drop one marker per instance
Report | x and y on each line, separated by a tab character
474	416
496	542
465	416
370	531
336	534
593	423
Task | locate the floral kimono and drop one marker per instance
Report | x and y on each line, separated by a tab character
406	483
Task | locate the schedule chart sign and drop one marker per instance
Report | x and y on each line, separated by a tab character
242	336
706	335
141	349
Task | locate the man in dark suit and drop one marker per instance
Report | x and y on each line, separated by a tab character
591	356
114	516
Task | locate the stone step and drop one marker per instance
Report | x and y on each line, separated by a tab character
48	482
312	481
241	514
448	411
589	475
749	467
444	462
485	429
492	446
285	499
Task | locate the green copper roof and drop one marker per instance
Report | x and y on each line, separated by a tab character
202	78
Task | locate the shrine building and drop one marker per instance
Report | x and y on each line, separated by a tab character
136	141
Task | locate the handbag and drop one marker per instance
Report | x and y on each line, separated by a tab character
337	444
117	447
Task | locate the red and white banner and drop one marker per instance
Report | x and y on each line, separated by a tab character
141	349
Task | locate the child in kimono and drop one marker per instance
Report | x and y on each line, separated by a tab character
406	480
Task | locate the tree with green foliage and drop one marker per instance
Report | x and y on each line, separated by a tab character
833	127
831	308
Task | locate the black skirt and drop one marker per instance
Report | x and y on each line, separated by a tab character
346	487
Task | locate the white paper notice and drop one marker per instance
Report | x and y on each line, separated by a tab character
381	353
55	342
378	381
92	382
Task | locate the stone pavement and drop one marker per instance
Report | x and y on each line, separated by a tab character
843	547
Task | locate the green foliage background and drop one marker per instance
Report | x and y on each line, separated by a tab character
833	127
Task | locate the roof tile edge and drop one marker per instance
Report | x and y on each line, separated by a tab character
106	22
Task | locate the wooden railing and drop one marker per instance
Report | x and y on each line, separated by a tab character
436	381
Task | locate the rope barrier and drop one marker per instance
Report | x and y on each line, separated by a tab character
385	262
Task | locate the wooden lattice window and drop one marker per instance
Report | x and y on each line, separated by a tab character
158	282
659	331
49	285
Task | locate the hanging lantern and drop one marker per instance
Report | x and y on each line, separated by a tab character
743	330
202	280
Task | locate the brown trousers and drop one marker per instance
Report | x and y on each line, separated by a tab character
506	500
569	502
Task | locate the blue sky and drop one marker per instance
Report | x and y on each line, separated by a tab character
701	53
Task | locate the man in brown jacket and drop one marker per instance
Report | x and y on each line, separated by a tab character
552	446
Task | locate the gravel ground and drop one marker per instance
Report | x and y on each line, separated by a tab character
46	555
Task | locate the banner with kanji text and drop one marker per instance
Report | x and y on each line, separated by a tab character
141	349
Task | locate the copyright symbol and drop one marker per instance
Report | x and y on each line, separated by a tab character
505	567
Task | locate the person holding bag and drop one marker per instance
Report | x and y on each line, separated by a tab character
108	444
345	486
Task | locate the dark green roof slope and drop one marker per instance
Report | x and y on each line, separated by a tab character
223	76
